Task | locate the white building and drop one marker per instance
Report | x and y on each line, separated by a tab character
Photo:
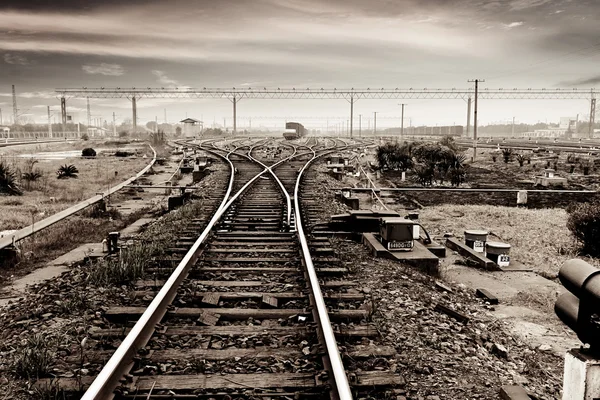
191	127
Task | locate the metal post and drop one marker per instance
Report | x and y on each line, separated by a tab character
63	113
351	114
468	116
475	118
134	109
513	128
375	123
402	125
592	118
49	124
234	115
15	109
359	125
89	116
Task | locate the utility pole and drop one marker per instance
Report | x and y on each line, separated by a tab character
359	125
134	109
165	115
475	118
234	115
155	124
468	116
89	115
49	124
513	128
15	109
351	114
63	115
0	116
375	123
402	124
592	117
114	125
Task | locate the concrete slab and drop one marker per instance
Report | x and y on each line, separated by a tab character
135	227
74	255
419	257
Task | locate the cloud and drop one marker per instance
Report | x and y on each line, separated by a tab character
104	69
512	25
16	59
594	80
163	79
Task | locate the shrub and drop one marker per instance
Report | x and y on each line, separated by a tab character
494	158
8	181
88	152
121	153
393	156
424	174
85	137
507	155
457	176
123	134
521	159
67	171
584	223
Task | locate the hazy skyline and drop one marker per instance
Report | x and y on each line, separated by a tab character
299	43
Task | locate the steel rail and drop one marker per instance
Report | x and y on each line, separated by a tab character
105	383
43	224
288	200
118	365
339	374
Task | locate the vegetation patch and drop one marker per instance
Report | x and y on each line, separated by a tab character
67	171
584	224
8	181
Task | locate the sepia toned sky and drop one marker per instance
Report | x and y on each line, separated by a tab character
299	43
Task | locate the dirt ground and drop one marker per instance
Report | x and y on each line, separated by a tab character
49	195
440	357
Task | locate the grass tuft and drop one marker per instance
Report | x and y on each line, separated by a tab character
35	359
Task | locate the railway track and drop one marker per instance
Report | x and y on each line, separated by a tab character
244	304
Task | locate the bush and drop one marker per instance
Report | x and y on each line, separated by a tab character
584	224
424	174
507	155
393	156
67	171
8	181
521	159
85	137
123	134
121	153
88	152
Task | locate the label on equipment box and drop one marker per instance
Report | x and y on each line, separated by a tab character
503	260
479	246
403	245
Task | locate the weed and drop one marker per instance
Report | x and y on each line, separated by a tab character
35	359
126	268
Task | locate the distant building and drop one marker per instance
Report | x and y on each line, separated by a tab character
568	123
191	127
5	131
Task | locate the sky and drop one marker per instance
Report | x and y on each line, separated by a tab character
298	43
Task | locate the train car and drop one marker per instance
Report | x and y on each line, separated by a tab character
294	130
